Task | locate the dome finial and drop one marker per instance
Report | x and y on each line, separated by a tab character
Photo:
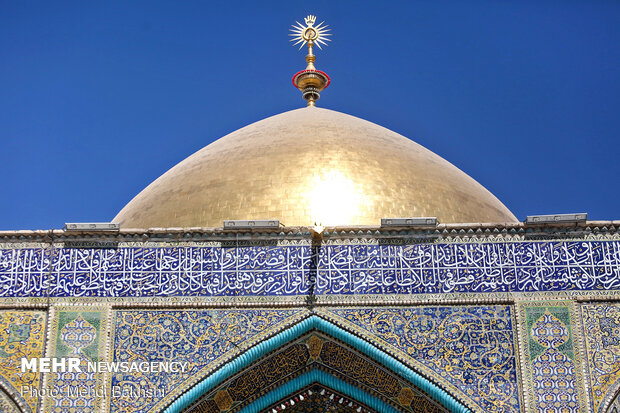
310	81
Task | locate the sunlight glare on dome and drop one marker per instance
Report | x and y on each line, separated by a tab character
333	199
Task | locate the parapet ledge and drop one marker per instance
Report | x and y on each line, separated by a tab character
422	233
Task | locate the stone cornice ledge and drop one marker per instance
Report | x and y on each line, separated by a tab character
441	231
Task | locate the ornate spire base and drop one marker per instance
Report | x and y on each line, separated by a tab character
310	81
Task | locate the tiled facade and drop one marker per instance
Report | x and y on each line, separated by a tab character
76	333
469	349
552	371
201	338
468	320
363	267
22	335
601	327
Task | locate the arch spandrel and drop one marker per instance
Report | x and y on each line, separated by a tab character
22	335
184	396
207	340
470	350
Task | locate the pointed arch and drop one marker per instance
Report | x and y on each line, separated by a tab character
315	322
316	353
321	377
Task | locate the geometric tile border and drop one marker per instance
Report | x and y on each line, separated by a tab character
551	361
77	332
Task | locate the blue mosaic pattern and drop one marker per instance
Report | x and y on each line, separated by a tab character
553	371
257	350
552	368
195	338
71	389
337	269
472	348
601	332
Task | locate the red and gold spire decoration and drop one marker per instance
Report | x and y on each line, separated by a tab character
310	81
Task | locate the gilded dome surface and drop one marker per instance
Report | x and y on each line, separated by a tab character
311	166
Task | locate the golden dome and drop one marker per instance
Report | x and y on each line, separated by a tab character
311	166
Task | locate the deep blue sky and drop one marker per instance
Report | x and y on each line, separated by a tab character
99	99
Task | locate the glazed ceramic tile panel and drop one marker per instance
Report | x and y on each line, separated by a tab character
601	327
552	367
316	351
77	334
469	349
22	335
200	338
333	269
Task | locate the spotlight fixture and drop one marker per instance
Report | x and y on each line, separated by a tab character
249	224
408	222
557	218
92	226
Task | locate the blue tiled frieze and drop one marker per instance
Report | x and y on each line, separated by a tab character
24	272
298	270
